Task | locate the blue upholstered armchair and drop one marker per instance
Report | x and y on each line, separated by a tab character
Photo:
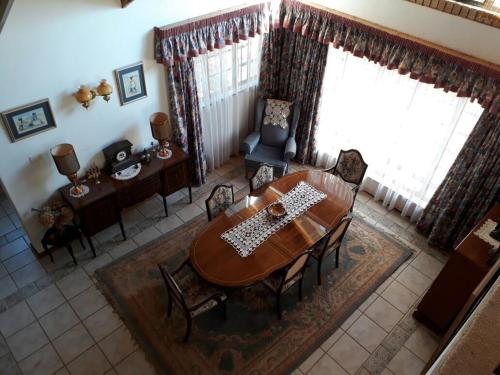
273	139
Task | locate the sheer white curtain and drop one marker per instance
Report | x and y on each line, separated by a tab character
408	132
227	82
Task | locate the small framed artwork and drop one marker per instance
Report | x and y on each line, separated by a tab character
28	120
131	83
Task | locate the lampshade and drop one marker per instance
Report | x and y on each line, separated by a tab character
65	158
160	126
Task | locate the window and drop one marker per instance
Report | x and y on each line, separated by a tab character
486	4
408	132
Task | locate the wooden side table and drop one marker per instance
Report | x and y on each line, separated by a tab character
62	237
463	272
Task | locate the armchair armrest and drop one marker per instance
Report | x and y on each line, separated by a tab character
250	142
290	149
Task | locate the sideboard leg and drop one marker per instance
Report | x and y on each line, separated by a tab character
165	205
120	222
89	240
190	194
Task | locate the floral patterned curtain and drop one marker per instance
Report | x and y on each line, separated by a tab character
423	63
470	188
292	69
175	48
185	116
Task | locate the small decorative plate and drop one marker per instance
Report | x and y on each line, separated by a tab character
168	156
128	173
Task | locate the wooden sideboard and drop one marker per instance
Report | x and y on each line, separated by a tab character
463	272
102	206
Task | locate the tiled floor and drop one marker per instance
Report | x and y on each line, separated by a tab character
54	320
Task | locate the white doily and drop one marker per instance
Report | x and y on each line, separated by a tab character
277	112
484	232
249	234
128	173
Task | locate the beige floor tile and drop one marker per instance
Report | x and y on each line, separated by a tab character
131	217
311	360
122	248
19	260
367	333
62	371
414	280
189	212
348	353
15	318
7	287
384	314
384	285
92	362
28	274
43	361
147	235
372	297
88	302
97	263
45	300
363	196
169	223
427	264
327	366
102	322
73	342
386	371
27	341
399	296
135	364
151	207
118	345
327	344
377	207
422	343
406	363
58	321
350	320
75	283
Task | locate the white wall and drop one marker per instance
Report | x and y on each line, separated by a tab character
48	48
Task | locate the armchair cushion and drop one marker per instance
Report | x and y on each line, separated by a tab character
269	155
290	149
250	142
273	135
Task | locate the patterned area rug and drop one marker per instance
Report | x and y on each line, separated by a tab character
252	340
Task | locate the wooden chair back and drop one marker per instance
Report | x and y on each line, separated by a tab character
336	235
350	166
262	176
220	199
174	292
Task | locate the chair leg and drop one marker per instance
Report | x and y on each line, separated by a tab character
81	240
320	260
278	305
188	329
337	257
165	202
70	250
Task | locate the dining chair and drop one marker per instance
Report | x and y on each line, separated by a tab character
331	244
351	167
262	176
191	294
222	197
282	280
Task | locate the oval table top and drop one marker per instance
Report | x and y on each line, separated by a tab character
219	263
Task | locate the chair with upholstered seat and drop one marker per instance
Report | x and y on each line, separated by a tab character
273	139
331	244
220	199
282	280
351	167
191	294
262	176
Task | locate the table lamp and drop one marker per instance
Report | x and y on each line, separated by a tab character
67	164
161	130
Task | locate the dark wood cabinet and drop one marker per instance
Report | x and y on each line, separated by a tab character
102	206
463	272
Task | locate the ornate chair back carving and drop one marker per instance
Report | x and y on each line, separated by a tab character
220	199
350	166
262	176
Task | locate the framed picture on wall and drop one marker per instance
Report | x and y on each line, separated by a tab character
131	83
28	120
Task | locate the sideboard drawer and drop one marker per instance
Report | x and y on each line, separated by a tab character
139	191
98	216
175	178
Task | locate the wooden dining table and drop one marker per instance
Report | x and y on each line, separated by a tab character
219	263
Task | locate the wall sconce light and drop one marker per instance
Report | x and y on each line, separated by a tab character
84	95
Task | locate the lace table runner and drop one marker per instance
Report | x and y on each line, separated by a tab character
484	232
249	234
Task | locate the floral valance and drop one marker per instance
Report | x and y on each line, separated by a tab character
423	63
198	37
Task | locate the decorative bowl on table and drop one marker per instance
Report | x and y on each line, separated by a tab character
276	210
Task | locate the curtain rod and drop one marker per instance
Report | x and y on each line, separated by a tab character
210	15
400	34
